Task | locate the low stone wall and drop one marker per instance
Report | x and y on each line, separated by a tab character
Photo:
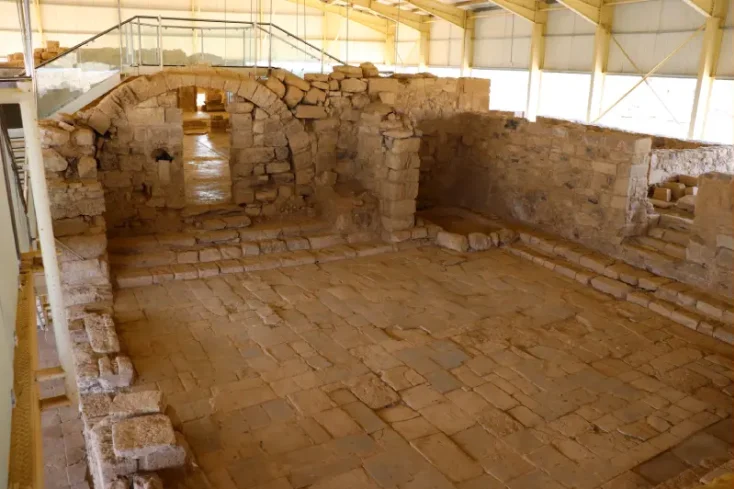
712	237
668	163
584	183
123	433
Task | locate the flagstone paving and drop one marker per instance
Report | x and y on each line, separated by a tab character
426	369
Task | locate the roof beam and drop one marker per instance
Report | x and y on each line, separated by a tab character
709	58
588	10
373	22
703	7
449	13
527	9
414	21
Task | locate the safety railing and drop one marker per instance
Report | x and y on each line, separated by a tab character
143	43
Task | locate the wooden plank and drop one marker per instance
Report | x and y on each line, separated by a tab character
50	374
25	467
54	402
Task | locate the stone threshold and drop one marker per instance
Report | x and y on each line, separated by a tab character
682	303
137	277
676	301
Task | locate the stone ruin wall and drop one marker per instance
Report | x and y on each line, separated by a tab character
292	140
127	434
667	163
583	183
712	237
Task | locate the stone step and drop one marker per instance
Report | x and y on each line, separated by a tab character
137	277
673	236
675	221
671	249
206	252
198	236
679	302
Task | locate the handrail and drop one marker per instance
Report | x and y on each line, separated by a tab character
256	25
74	48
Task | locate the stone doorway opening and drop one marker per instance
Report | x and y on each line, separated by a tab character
206	146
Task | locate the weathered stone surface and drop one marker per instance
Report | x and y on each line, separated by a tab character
293	96
101	332
127	405
142	436
53	161
372	391
87	167
452	241
353	85
310	112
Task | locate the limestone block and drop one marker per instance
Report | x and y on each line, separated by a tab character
108	465
53	161
397	222
314	96
271	139
242	193
304	177
300	141
691	190
256	155
101	332
277	87
688	180
164	458
87	167
294	81
662	193
116	373
353	85
99	121
83	136
350	71
52	135
262	96
687	203
369	70
147	481
310	112
677	189
128	405
452	241
388	98
407	145
337	75
398	207
316	77
320	85
277	167
82	247
142	436
293	96
266	195
94	405
480	241
383	85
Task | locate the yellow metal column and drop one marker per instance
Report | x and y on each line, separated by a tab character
708	60
537	55
423	47
602	37
467	53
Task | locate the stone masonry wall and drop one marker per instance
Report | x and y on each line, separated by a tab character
581	182
142	166
712	238
668	163
125	433
289	136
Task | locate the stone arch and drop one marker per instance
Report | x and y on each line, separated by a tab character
270	156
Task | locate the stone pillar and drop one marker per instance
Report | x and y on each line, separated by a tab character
712	237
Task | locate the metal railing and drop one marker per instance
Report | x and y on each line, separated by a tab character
143	43
17	189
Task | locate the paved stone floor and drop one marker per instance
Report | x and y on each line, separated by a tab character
206	168
429	370
65	463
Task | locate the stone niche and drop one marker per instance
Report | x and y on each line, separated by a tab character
295	143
